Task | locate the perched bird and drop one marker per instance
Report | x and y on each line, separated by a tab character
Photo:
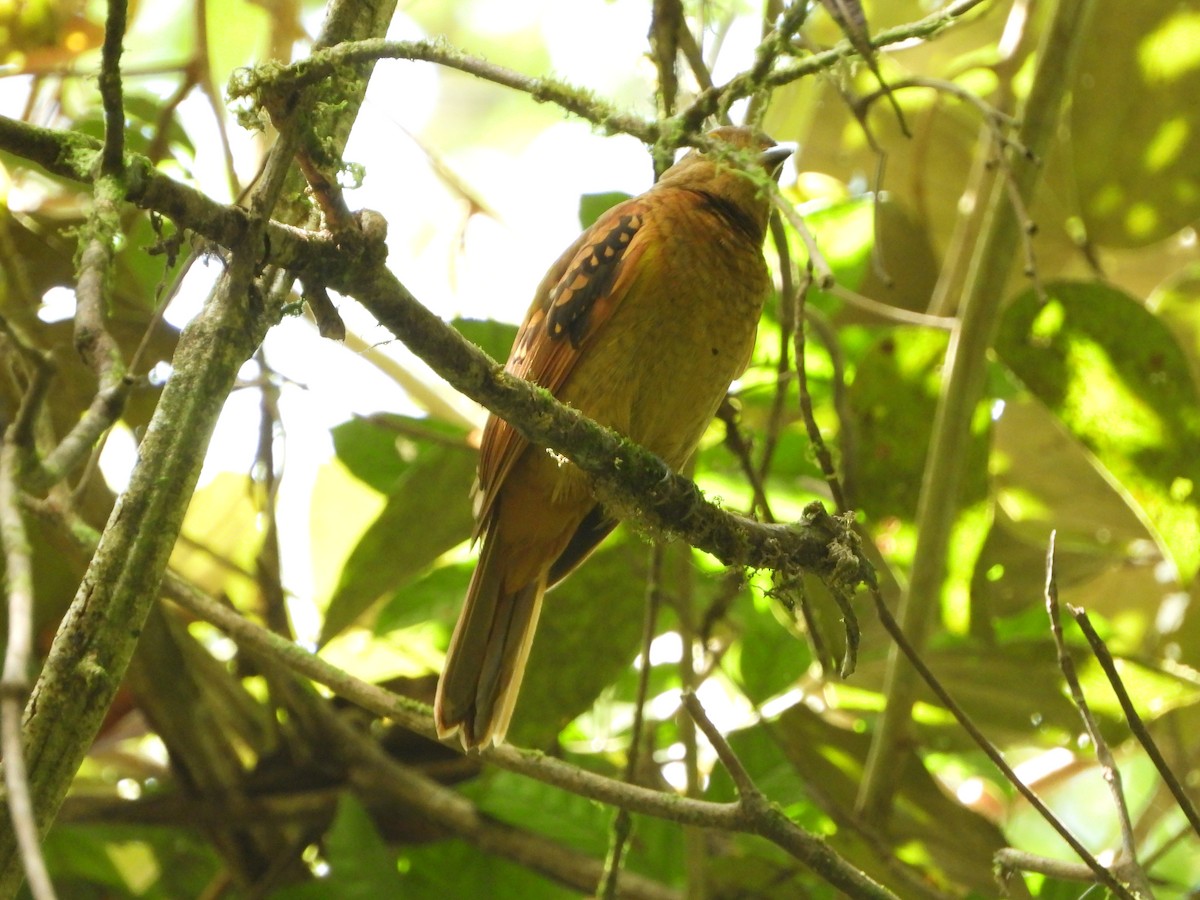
641	325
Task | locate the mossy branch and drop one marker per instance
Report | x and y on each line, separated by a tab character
97	637
631	480
627	477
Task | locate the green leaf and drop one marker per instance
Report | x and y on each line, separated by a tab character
454	868
437	595
494	338
770	654
127	861
378	450
1116	379
893	400
428	512
589	632
593	206
360	863
1135	130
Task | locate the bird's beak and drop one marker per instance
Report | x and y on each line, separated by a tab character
772	159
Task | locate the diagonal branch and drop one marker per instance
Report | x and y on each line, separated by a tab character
769	823
1127	862
631	481
97	637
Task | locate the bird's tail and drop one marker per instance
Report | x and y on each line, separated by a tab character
486	660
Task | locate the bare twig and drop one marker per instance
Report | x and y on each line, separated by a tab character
622	825
14	683
267	565
825	459
1103	875
747	791
1009	859
890	313
738	445
112	162
417	717
1134	719
666	21
783	365
818	267
41	371
1112	775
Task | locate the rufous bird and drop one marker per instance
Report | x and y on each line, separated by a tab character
640	325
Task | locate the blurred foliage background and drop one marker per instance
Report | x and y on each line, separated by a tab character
335	505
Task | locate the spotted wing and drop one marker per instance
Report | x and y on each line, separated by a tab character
574	300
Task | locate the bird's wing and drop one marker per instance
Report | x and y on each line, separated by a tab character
574	300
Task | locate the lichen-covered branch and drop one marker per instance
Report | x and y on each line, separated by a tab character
96	639
255	84
768	821
632	481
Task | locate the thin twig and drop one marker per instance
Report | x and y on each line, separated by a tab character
112	162
696	858
889	313
1112	775
322	63
41	371
737	444
694	56
1103	875
622	826
417	717
820	448
747	791
825	460
666	21
1009	859
267	564
14	683
1135	721
818	267
783	366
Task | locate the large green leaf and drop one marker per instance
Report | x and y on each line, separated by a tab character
589	633
893	401
1117	380
115	862
428	511
360	864
1135	125
656	850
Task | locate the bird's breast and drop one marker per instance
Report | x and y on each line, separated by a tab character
662	363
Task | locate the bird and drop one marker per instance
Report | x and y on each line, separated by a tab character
641	325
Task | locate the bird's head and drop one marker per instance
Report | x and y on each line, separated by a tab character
732	170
